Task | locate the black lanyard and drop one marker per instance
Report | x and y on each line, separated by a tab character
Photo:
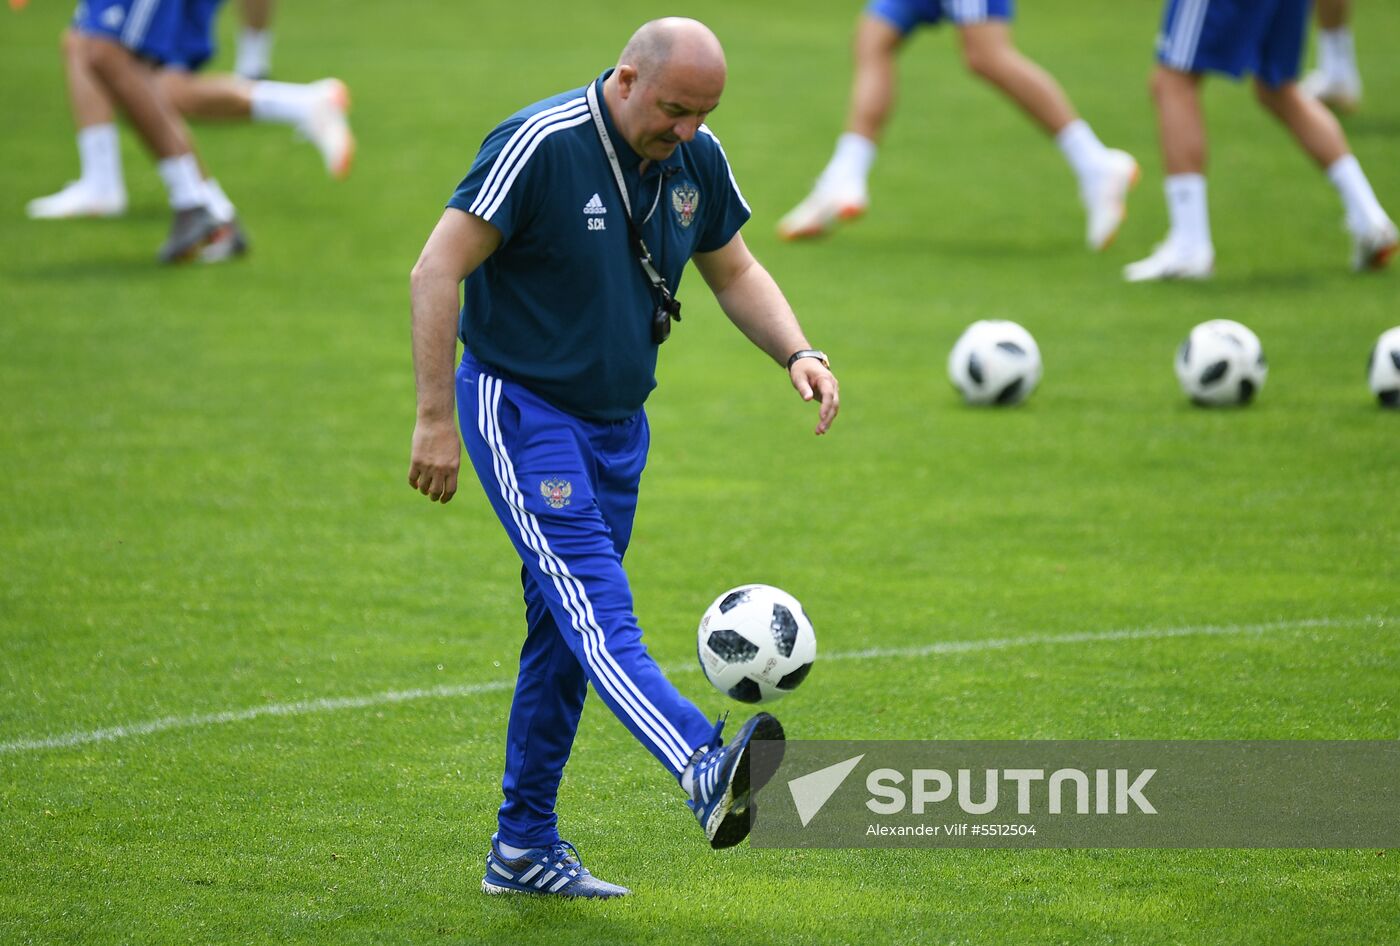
669	307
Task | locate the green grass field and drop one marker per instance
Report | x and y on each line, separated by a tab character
253	689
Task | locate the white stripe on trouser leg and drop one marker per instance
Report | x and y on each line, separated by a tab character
575	598
571	590
572	594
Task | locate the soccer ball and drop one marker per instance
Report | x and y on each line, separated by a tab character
756	643
1221	363
995	362
1383	370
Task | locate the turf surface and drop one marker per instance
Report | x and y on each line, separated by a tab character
203	508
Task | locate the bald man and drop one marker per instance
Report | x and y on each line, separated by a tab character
570	233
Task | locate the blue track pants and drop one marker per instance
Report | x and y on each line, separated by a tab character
565	489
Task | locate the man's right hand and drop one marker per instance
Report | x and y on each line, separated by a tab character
437	456
458	245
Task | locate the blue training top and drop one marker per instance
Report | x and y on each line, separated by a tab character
562	306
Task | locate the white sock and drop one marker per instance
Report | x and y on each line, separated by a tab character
511	853
183	181
286	102
850	163
1362	208
1186	205
218	203
100	156
254	58
688	776
1336	52
1082	148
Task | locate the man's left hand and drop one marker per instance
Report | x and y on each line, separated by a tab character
812	379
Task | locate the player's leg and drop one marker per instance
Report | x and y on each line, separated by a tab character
254	56
1188	251
317	110
549	697
719	780
1195	38
100	190
875	75
841	191
1336	81
551	686
530	460
526	853
539	468
1105	175
544	715
990	55
1319	134
186	50
220	97
116	31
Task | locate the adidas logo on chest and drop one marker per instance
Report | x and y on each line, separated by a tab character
593	212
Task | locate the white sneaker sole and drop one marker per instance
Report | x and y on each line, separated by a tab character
37	211
493	890
820	224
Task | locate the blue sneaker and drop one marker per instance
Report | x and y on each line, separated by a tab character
723	778
550	870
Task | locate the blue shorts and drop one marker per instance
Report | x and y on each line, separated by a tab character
149	28
905	15
1234	37
174	33
194	46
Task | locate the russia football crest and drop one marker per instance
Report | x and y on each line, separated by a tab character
685	198
556	492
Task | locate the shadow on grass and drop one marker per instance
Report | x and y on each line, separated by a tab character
581	921
86	270
1242	283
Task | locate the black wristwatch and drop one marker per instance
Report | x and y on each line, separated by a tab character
809	353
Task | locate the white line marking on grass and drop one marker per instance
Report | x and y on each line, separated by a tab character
1085	637
300	708
329	704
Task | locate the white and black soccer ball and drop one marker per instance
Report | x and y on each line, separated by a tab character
756	643
995	362
1221	363
1383	370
